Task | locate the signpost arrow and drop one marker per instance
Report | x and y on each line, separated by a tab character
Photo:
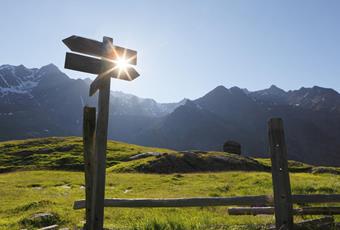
95	48
99	66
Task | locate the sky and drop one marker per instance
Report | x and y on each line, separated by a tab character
186	48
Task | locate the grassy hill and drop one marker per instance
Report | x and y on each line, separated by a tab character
44	175
66	153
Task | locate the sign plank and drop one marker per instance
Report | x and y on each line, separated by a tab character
96	66
96	48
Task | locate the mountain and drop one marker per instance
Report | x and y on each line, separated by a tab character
312	125
128	104
46	102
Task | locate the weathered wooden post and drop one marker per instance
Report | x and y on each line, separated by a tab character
280	175
100	146
115	62
89	126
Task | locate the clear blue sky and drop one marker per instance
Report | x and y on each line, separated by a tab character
186	48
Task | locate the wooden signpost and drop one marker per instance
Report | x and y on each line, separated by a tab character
95	156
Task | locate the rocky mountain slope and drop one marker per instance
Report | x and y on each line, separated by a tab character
311	119
45	102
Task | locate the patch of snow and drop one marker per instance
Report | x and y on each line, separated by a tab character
4	80
24	85
5	67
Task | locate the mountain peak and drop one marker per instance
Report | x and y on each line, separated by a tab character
236	89
221	89
50	68
273	89
6	66
322	89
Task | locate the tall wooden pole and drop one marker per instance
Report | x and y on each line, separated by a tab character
281	183
100	148
89	127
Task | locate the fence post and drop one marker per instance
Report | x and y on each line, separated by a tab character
89	126
280	175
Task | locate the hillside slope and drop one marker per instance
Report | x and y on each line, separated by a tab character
66	153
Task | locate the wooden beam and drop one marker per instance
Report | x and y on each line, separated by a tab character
182	202
100	150
89	127
316	198
96	48
210	201
96	85
297	211
280	175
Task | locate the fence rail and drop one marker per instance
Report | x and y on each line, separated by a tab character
297	211
210	201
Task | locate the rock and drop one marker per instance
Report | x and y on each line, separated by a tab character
52	227
232	147
41	220
144	155
194	152
65	186
329	170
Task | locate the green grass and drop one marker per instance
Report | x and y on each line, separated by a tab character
60	153
66	153
44	175
25	193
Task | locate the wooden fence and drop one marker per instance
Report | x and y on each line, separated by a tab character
281	204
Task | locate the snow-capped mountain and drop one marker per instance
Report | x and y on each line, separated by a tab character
18	80
46	102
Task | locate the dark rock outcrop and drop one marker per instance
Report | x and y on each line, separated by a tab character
232	147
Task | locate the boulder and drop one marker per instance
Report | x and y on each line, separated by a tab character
232	147
41	220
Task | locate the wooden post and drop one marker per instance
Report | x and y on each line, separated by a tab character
280	175
100	149
89	126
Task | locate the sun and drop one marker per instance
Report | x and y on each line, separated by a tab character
122	63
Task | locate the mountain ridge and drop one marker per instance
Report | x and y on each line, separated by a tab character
46	102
